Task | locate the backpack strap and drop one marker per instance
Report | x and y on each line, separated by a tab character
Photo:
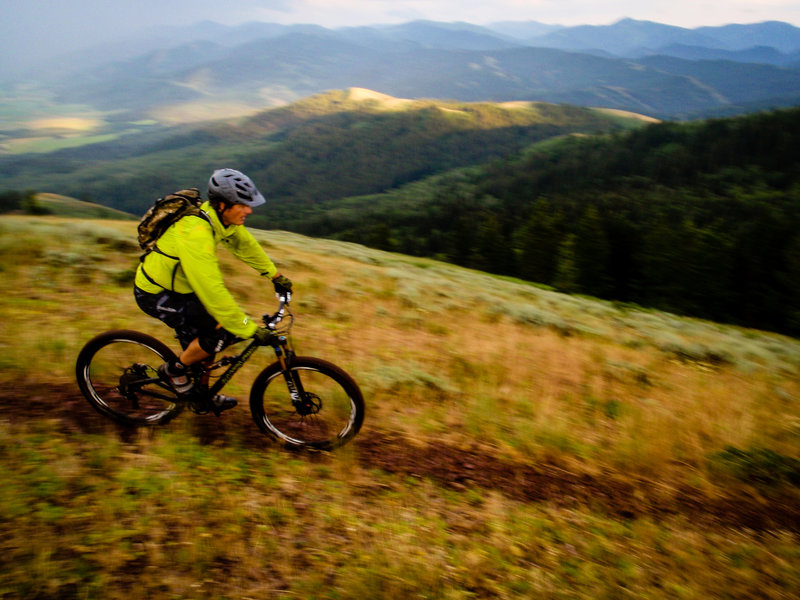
150	279
157	250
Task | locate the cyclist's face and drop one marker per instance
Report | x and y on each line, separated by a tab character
236	214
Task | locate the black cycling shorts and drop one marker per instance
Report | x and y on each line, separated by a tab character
188	317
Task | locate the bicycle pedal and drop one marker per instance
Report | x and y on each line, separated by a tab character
220	403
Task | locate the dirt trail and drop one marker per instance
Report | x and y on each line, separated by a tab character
624	498
458	468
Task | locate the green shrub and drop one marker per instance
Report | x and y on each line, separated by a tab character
124	277
759	466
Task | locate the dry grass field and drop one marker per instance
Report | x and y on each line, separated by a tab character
519	443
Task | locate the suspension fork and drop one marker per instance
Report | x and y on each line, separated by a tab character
285	356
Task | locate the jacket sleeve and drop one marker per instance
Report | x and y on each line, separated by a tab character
198	259
245	247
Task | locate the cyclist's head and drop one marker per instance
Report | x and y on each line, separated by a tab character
233	187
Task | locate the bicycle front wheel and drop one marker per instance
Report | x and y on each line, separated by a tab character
116	372
314	405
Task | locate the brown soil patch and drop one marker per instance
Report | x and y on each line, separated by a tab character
623	497
617	496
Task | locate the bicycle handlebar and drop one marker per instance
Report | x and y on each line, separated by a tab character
271	321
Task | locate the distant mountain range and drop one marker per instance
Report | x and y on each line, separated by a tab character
660	70
633	39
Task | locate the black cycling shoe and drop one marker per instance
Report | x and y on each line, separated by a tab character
220	403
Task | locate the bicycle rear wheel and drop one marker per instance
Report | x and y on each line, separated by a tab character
327	409
116	372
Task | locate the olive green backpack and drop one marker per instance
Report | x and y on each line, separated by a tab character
164	212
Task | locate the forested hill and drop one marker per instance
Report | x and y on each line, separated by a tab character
334	145
698	218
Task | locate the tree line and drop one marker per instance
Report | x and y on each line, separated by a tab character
695	218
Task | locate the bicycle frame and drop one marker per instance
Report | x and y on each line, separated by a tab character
282	350
236	362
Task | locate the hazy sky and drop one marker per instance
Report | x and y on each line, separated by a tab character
32	27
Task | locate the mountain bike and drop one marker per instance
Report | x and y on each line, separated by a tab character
301	401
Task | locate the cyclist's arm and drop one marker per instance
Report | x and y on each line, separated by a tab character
245	247
198	256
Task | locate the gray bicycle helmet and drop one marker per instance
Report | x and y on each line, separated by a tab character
234	187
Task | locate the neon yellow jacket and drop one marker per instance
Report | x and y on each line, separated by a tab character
185	261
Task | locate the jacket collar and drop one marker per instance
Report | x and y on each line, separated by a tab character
216	224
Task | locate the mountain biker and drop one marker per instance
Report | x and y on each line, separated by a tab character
181	284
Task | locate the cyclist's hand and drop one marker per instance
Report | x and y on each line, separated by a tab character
263	336
283	286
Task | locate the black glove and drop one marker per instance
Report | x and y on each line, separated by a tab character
264	336
283	285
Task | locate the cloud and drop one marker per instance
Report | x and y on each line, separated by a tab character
687	13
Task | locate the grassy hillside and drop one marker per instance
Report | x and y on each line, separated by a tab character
65	206
32	203
519	443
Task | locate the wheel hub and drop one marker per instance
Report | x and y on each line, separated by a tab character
310	404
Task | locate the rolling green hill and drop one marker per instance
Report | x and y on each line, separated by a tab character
33	203
64	206
338	144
